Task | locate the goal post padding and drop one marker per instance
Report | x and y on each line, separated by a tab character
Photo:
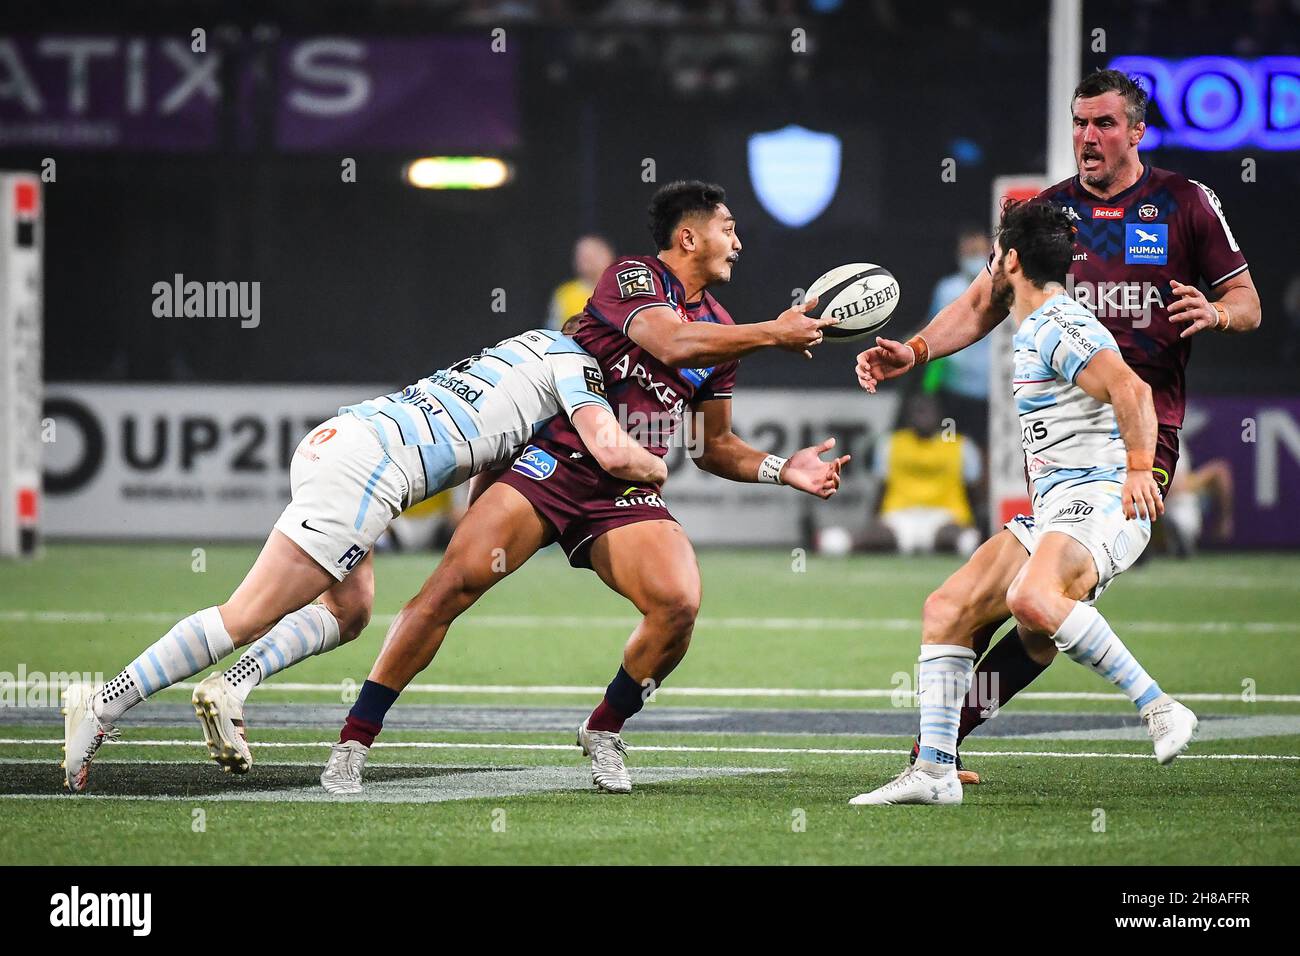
21	378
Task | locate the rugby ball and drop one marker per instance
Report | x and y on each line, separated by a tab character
861	295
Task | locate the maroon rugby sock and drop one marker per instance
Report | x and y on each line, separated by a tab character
1008	670
622	700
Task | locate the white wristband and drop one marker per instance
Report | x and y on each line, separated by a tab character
770	470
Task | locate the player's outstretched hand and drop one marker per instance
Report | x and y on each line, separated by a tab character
796	332
806	471
885	360
1141	496
1192	307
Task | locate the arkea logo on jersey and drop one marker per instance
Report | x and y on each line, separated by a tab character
636	281
535	464
664	391
1146	245
1108	212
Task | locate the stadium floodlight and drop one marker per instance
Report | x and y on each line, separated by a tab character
458	172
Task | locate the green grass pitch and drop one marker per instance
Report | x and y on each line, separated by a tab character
773	635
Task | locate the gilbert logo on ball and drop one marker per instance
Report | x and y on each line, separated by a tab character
861	295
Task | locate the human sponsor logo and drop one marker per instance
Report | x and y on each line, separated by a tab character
78	909
1146	244
696	376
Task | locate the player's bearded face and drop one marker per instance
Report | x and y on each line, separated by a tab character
1003	293
1103	139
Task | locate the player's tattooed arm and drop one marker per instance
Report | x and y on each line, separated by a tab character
720	451
614	449
962	322
1107	379
662	333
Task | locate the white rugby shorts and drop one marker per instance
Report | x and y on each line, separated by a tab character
346	491
1093	515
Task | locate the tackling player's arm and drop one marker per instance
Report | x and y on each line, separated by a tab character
1107	379
661	332
964	321
614	449
722	452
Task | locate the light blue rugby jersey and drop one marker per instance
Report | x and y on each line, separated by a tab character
1069	437
480	412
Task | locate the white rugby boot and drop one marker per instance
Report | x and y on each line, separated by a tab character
606	750
922	782
1170	726
221	713
343	772
83	733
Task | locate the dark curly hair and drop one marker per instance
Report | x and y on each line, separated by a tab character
675	201
1043	237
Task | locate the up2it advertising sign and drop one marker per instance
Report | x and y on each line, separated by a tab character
166	461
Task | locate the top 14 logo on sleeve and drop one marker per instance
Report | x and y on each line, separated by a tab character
635	281
1146	244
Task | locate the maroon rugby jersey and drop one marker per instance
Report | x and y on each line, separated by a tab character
1165	226
648	396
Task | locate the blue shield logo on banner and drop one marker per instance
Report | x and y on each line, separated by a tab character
795	173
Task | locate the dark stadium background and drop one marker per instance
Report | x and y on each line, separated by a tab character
374	281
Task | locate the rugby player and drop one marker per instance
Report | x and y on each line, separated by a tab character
1088	427
350	477
1145	238
667	348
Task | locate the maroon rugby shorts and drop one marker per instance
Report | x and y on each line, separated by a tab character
580	500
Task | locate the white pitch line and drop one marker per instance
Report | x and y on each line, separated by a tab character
578	690
792	626
674	749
